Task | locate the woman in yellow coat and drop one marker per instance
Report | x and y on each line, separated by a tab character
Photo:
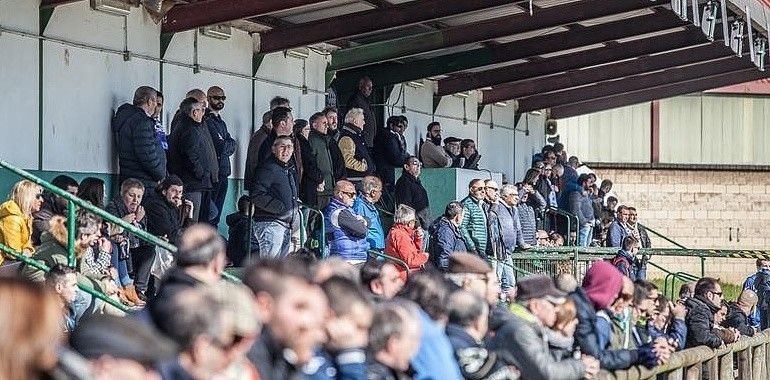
16	217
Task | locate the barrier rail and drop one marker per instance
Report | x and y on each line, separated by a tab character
751	354
75	201
381	255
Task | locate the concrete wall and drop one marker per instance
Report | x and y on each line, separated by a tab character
700	209
81	78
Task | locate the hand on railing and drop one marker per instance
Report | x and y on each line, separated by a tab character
591	365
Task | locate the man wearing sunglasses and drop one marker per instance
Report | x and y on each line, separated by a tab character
346	231
224	145
700	316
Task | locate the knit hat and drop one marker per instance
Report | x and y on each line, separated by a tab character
602	284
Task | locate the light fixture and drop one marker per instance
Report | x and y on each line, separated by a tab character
535	113
301	53
220	32
113	7
463	94
415	84
501	104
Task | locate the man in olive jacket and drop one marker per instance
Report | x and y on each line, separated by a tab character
324	165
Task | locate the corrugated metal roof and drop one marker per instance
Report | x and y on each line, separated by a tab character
322	10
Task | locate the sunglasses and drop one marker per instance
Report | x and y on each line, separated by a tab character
350	194
219	97
491	188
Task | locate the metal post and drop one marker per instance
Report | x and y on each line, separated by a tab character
702	266
71	234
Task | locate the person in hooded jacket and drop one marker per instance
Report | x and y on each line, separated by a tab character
193	158
53	205
140	154
700	316
445	236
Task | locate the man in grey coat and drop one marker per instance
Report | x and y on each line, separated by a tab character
522	341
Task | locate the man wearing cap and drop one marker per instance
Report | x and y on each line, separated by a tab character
452	148
523	339
431	154
120	348
470	272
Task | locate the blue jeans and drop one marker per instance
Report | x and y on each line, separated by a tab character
504	271
274	239
121	266
584	236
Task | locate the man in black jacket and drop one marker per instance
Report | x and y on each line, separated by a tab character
410	192
361	99
193	158
738	313
275	197
224	145
390	151
53	205
140	154
700	316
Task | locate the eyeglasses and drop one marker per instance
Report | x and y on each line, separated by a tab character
39	196
350	194
477	188
415	163
717	293
491	188
219	97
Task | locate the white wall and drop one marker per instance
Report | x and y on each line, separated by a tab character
503	149
85	79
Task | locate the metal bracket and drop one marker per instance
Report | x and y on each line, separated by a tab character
725	31
695	13
751	34
736	37
760	51
709	19
680	8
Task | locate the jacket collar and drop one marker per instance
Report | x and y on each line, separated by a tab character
351	128
458	332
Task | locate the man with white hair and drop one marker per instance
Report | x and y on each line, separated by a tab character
347	230
355	153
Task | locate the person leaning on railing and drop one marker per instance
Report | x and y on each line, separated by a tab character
16	216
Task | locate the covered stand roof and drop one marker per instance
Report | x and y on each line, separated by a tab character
569	56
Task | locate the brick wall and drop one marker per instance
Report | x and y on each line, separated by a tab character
697	209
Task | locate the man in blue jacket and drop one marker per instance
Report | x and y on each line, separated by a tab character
445	236
627	262
371	191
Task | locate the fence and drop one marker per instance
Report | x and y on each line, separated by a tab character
746	359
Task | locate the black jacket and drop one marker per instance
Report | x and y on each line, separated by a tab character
48	210
140	155
224	144
361	153
358	100
410	192
700	323
738	319
268	356
163	218
252	156
241	238
378	371
389	153
445	239
275	194
192	155
175	281
587	338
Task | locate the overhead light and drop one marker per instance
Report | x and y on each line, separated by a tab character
463	94
301	53
433	78
415	84
536	113
485	88
501	104
220	32
113	7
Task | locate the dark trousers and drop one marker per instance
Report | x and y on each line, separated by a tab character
142	258
218	197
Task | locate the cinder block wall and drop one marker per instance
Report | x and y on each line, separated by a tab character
700	209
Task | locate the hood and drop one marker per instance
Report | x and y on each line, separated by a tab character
57	231
10	208
602	284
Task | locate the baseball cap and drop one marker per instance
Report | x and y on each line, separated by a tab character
539	286
451	139
121	338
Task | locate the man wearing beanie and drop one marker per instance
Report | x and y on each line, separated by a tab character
523	339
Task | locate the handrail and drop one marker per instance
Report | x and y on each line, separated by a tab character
569	217
41	266
656	233
385	256
73	200
752	353
515	268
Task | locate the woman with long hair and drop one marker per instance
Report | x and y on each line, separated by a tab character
16	216
31	330
92	190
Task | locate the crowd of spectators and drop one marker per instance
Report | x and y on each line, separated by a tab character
445	304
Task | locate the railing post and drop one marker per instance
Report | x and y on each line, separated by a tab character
726	366
744	365
575	265
703	266
757	358
71	261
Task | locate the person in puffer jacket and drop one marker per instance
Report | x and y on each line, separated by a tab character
445	236
346	231
474	224
527	218
140	154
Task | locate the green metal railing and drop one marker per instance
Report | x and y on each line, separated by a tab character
664	237
41	266
381	255
73	201
569	217
322	238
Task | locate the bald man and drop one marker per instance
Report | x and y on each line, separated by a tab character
739	312
224	145
199	260
347	229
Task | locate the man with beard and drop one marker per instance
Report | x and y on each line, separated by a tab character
224	145
431	153
331	119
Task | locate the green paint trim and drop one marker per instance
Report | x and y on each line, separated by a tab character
256	62
387	50
44	18
436	102
480	110
165	41
330	75
40	104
